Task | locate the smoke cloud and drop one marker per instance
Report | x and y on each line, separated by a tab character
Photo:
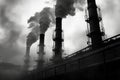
44	18
31	38
9	41
67	7
39	23
47	17
33	35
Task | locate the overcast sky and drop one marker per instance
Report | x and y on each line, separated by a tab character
14	27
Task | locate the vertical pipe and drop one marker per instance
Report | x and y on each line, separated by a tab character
58	39
27	58
95	32
41	52
41	44
42	39
27	52
28	46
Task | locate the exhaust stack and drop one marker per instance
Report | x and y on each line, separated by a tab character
93	20
58	41
27	58
41	51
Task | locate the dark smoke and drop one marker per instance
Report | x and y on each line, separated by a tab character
64	7
44	18
31	38
67	7
33	35
9	47
33	18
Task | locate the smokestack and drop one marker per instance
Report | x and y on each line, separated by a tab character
27	58
95	33
41	51
27	51
41	45
31	38
42	39
58	40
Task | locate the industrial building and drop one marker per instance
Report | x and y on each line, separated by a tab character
98	61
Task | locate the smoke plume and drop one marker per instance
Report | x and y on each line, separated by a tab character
11	29
67	7
31	38
39	23
44	20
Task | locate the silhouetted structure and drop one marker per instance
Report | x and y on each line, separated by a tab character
27	57
93	20
58	41
99	61
41	53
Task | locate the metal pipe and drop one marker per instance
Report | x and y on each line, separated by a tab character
41	44
41	53
95	32
42	36
58	40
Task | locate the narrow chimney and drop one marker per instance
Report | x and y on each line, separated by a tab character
93	21
42	39
40	60
28	45
27	58
41	46
27	55
58	40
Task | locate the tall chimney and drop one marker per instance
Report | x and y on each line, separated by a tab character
41	51
95	32
58	40
27	58
27	51
42	39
